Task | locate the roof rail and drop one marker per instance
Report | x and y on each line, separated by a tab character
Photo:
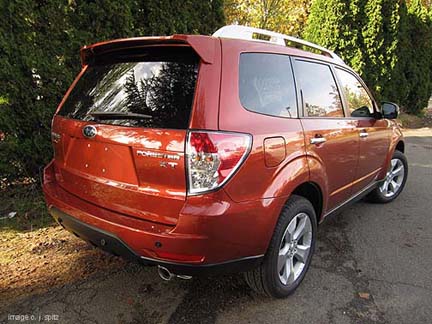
248	33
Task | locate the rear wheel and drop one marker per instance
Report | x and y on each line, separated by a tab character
394	181
289	254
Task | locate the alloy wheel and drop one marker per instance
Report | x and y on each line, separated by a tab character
394	179
294	249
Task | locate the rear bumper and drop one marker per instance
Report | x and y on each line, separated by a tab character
114	245
213	234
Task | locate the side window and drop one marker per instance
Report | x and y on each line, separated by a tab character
266	84
359	102
320	93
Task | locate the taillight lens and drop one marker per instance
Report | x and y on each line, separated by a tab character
213	157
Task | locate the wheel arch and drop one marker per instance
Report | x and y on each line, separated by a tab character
295	179
312	192
397	143
400	146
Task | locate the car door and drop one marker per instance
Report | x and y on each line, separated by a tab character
331	139
374	134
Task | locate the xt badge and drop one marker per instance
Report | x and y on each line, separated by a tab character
171	165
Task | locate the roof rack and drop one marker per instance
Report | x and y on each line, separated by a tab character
248	33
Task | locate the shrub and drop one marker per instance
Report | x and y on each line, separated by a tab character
418	59
39	56
388	44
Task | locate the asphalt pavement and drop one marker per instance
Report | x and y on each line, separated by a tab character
373	264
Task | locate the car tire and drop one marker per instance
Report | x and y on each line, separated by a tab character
394	182
290	251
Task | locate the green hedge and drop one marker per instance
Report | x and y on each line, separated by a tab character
39	57
386	42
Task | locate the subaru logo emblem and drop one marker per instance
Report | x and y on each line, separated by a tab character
89	131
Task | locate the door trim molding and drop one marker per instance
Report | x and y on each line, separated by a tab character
358	195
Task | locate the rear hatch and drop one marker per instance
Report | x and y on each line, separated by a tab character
119	136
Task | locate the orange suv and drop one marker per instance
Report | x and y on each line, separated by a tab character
203	154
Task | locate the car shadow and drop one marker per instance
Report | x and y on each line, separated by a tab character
132	292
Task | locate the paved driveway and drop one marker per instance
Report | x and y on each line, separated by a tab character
373	264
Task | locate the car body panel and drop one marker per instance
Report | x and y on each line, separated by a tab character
119	178
337	156
373	150
395	137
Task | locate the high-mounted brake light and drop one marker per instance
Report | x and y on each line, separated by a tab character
213	157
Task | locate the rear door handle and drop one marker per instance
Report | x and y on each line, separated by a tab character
317	140
363	134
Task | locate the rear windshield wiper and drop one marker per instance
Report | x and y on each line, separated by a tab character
118	115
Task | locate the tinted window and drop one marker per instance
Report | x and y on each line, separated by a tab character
320	94
158	91
266	84
359	102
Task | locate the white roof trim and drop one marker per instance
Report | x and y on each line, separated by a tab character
247	33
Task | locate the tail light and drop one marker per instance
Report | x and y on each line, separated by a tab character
213	157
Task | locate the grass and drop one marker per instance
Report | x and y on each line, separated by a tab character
413	121
26	200
35	255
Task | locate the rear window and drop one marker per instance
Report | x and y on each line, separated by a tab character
151	87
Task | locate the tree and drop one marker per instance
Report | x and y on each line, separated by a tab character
283	16
381	46
376	38
335	24
418	68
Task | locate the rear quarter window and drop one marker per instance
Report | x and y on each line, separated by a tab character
266	84
146	88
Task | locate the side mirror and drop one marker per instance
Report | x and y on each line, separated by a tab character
389	110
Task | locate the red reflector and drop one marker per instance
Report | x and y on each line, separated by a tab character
202	143
180	257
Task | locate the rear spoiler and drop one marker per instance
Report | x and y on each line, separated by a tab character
204	46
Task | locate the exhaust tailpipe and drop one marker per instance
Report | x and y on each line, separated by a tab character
167	275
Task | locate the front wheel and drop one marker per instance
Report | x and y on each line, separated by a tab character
290	251
394	182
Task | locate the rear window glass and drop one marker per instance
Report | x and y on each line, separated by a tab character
266	84
139	88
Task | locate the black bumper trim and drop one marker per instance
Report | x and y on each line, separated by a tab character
114	245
